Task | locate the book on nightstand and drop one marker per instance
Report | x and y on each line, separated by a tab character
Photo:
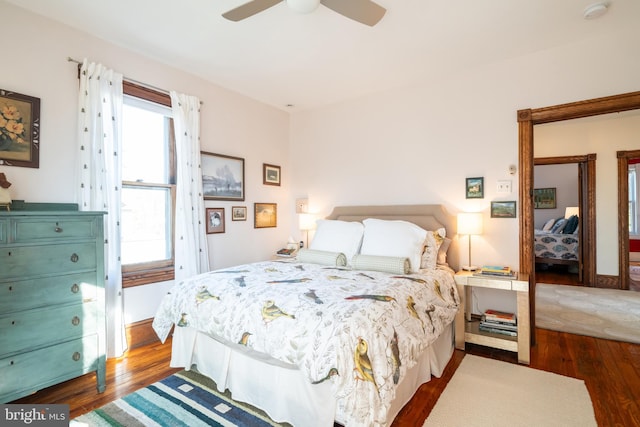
495	271
500	316
499	322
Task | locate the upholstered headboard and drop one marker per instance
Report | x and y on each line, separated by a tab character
429	217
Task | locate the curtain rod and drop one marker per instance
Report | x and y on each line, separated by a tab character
164	91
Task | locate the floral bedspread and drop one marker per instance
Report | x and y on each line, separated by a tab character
361	330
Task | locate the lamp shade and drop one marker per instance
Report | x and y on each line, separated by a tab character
306	221
470	223
571	210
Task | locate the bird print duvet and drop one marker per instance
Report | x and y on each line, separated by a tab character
359	330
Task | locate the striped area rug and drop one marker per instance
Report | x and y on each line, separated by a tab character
184	399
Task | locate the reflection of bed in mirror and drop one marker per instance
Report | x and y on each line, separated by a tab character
407	326
558	242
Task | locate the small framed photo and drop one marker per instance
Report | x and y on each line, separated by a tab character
215	220
270	174
475	188
238	213
544	198
503	209
265	215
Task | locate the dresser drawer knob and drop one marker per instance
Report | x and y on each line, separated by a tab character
74	258
75	288
75	321
76	356
58	230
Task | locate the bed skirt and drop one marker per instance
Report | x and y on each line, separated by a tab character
280	389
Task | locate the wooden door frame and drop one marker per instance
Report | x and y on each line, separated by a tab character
587	200
623	214
527	118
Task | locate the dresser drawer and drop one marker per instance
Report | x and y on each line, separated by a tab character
19	295
48	228
41	327
21	261
26	373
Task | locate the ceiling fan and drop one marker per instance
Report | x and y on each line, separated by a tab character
363	11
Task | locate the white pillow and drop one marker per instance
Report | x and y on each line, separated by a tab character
394	239
547	225
338	236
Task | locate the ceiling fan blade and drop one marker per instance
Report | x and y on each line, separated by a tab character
249	9
363	11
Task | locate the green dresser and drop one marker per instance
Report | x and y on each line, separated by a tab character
52	308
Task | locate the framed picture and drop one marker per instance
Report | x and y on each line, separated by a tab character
544	198
265	215
19	130
270	174
503	209
475	188
215	220
238	213
222	177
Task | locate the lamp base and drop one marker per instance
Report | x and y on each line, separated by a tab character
470	267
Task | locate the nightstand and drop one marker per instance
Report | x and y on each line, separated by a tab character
468	331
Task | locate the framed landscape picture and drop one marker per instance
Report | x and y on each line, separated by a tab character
222	177
544	198
265	215
238	213
270	174
475	188
503	209
19	130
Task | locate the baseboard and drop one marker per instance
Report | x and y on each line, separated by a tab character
140	333
607	282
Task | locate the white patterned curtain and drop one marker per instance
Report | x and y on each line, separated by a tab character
100	177
192	255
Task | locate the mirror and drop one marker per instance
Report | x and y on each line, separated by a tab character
526	120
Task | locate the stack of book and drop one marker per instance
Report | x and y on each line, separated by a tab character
499	322
495	271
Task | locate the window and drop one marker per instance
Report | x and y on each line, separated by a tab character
633	200
148	187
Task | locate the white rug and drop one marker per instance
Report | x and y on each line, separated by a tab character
489	393
603	313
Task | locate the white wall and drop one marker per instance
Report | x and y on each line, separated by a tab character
418	144
231	124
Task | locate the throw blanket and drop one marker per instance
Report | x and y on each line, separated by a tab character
361	330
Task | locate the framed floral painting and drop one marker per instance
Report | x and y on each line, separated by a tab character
19	130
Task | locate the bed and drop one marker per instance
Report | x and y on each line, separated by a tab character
558	242
311	340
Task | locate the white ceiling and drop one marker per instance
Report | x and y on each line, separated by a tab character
280	57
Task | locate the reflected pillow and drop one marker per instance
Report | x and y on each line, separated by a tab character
548	225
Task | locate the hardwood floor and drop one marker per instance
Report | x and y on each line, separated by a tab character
610	369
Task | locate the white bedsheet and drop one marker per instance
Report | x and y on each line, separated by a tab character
359	331
281	390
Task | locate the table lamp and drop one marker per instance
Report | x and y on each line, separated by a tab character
470	223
